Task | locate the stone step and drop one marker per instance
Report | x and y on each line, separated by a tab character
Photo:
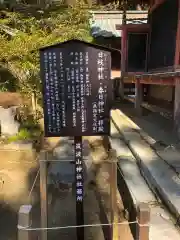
160	176
161	224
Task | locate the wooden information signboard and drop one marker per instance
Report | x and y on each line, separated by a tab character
77	89
77	93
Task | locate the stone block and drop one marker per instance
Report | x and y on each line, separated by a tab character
8	124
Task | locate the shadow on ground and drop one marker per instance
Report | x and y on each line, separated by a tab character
17	171
155	125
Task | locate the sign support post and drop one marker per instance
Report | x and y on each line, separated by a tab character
79	187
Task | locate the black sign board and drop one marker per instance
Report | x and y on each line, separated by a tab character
77	89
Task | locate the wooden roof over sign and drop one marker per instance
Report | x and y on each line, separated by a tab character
76	41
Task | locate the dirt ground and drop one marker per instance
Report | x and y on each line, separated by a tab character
10	99
17	169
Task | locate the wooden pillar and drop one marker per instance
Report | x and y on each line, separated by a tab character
123	53
177	80
177	106
138	96
43	194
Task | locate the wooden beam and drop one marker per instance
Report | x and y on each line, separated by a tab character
170	81
134	27
164	82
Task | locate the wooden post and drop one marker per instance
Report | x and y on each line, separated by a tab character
113	194
177	106
143	217
43	194
123	52
138	96
177	80
24	221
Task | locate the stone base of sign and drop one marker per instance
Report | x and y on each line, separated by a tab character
61	170
24	221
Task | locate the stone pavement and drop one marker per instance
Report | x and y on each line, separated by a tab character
161	177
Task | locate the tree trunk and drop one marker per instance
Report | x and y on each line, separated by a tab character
33	101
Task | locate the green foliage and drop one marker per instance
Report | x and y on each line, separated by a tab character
29	131
27	119
121	4
8	86
20	54
7	81
3	88
23	134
